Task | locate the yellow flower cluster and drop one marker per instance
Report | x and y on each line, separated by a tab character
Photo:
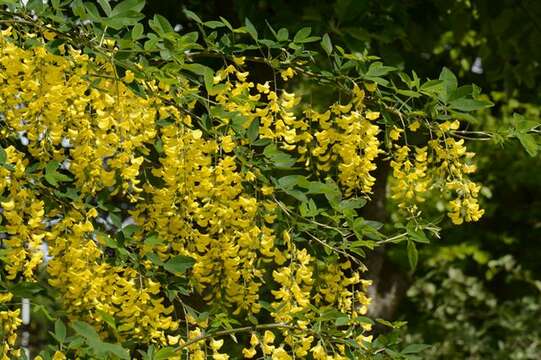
295	282
23	215
203	212
342	139
89	285
198	350
336	288
297	295
347	137
70	109
9	323
453	163
71	103
444	164
411	179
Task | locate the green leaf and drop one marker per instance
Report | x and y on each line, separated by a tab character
385	322
160	25
316	187
86	331
153	239
38	308
253	130
205	71
469	104
416	235
250	28
105	6
26	289
432	86
226	23
179	264
110	320
269	43
3	156
137	31
78	8
214	24
60	330
302	34
310	39
114	349
529	143
122	20
191	15
415	348
129	230
290	181
409	93
461	92
367	228
54	3
377	69
93	339
279	158
165	353
297	194
413	255
355	203
155	259
92	12
326	44
282	35
308	209
523	125
341	321
128	5
115	219
331	314
450	83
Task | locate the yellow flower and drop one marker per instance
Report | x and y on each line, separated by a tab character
372	115
129	76
239	60
228	144
254	340
220	356
394	134
215	345
371	86
287	74
280	354
249	352
268	337
59	356
318	352
49	35
414	125
362	340
267	190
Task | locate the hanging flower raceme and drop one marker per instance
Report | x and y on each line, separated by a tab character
444	165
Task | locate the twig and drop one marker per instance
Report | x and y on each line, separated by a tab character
392	239
234	331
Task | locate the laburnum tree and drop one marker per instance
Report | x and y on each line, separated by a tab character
210	195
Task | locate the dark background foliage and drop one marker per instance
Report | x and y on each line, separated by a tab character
424	35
